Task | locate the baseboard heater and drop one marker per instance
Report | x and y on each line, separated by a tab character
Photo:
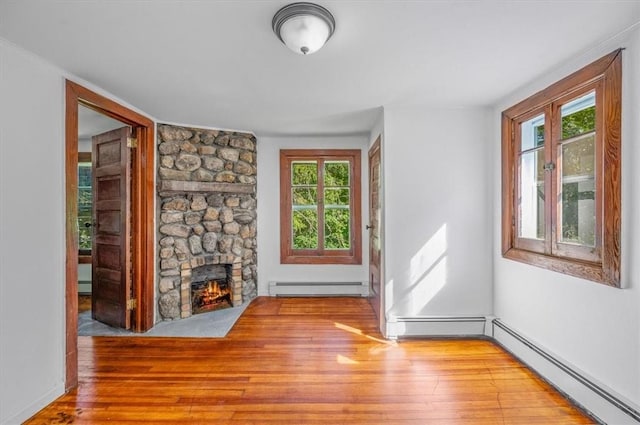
318	289
625	408
435	326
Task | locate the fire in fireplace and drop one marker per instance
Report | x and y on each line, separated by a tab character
210	295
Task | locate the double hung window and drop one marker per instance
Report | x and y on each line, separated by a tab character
561	175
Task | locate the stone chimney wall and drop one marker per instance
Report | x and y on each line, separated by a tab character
207	190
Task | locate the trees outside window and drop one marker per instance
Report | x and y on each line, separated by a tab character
84	206
561	175
320	207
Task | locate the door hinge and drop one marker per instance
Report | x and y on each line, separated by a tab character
549	166
132	304
132	142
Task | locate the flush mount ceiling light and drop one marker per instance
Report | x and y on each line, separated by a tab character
303	27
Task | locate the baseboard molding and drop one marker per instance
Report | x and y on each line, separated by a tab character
318	289
34	407
603	404
435	326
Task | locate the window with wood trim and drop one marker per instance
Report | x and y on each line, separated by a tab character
320	207
561	194
85	196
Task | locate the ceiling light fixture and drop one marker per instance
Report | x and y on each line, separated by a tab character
303	27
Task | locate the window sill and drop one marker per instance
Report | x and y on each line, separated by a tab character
312	259
585	270
84	259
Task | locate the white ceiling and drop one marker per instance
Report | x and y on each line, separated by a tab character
218	63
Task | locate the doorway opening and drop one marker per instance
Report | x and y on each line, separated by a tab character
90	125
140	217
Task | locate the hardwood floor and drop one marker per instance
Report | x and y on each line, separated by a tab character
304	361
84	303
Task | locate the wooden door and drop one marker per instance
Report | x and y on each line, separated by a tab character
111	253
375	209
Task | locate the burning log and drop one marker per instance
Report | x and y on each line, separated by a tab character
210	295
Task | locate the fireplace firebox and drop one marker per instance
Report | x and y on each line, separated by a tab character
210	295
209	283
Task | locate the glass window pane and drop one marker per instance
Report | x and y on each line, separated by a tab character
532	133
84	228
84	205
304	173
84	198
334	197
336	173
531	204
304	195
336	228
84	174
305	228
579	116
578	191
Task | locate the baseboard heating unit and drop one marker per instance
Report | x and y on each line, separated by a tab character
604	405
318	289
435	326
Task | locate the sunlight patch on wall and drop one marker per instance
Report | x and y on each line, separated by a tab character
428	270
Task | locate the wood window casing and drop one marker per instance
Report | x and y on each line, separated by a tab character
289	255
600	262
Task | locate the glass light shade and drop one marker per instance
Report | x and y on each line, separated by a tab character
303	27
304	34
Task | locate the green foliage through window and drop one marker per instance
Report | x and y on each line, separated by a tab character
334	201
578	170
84	205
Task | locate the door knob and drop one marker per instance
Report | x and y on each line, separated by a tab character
368	227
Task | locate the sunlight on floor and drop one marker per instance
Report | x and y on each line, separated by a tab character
382	346
345	360
359	332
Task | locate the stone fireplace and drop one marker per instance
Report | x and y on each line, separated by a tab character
207	218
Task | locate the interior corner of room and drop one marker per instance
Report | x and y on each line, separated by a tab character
426	172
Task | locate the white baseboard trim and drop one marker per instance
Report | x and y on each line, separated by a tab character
435	326
318	289
603	404
34	407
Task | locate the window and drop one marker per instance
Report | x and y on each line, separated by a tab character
320	207
84	207
561	199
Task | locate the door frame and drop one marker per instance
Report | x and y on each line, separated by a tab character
381	310
142	215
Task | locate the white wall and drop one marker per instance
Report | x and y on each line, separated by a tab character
592	327
269	267
32	234
437	226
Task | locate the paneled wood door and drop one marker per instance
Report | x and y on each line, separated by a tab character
375	208
111	249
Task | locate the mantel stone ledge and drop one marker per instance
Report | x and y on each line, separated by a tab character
170	187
